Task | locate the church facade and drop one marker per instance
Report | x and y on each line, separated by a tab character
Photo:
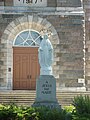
21	23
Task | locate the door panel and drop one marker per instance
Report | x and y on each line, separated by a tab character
24	71
25	68
21	69
34	69
34	64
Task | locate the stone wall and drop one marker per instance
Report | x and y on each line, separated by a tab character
5	19
68	3
17	26
8	2
87	37
3	24
68	53
71	64
51	3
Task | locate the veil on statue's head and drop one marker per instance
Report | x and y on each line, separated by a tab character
46	32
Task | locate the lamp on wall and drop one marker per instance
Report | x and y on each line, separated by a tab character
29	1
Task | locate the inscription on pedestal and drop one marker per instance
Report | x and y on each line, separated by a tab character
46	88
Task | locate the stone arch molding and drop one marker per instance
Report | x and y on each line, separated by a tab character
28	22
13	29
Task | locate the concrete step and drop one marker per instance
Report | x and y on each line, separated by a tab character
27	98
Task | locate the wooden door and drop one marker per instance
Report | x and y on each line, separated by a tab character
25	68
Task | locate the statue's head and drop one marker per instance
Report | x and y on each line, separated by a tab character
45	33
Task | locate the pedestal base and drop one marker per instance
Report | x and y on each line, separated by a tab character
46	92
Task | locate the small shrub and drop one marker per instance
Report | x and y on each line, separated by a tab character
76	117
13	112
51	114
69	108
82	108
7	112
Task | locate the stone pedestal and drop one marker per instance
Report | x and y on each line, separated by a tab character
46	92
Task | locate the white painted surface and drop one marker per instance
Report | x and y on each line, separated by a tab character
81	80
20	3
72	89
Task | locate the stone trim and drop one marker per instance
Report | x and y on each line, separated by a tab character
71	89
44	10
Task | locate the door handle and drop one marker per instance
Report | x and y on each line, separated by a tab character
30	76
27	76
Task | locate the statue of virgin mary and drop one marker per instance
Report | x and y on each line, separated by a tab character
45	56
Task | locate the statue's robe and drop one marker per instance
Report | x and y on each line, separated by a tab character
45	54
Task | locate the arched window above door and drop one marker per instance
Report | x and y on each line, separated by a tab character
28	38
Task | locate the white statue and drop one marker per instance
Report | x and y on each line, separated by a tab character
45	56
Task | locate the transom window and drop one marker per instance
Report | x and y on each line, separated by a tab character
28	38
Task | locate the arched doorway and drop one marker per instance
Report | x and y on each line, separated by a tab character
25	60
28	22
